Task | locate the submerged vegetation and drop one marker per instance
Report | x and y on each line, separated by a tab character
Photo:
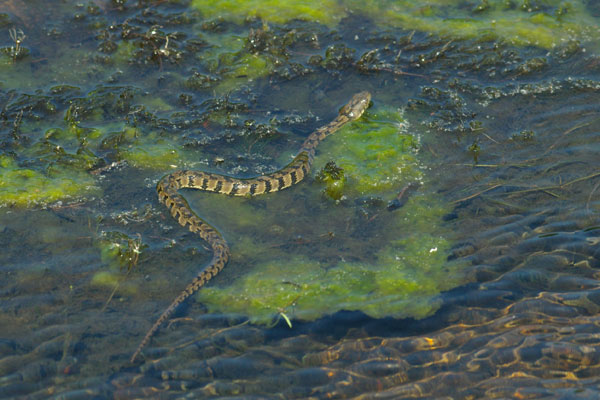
401	279
26	187
546	24
327	12
377	156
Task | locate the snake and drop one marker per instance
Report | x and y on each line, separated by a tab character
168	193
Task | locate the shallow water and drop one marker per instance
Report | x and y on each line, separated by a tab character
491	264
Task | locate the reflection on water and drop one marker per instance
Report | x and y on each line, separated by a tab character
508	142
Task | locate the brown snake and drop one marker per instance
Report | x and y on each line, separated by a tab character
293	173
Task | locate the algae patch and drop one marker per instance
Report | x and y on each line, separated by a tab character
27	187
372	260
377	154
327	12
522	23
229	63
544	24
156	154
402	279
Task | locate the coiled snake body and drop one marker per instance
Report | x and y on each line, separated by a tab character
293	173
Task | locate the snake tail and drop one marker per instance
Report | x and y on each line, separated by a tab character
180	210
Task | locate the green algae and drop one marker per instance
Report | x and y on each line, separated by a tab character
124	52
399	273
250	66
150	153
106	279
327	12
25	187
519	23
376	154
156	104
153	151
401	280
545	27
229	63
241	69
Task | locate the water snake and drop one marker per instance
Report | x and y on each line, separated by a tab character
293	173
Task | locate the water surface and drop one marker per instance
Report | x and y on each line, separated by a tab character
482	283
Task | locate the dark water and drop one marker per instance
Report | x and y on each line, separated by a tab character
507	150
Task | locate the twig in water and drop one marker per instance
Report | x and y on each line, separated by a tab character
476	194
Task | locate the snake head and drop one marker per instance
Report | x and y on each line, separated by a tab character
356	106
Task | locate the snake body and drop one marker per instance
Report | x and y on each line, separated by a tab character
293	173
